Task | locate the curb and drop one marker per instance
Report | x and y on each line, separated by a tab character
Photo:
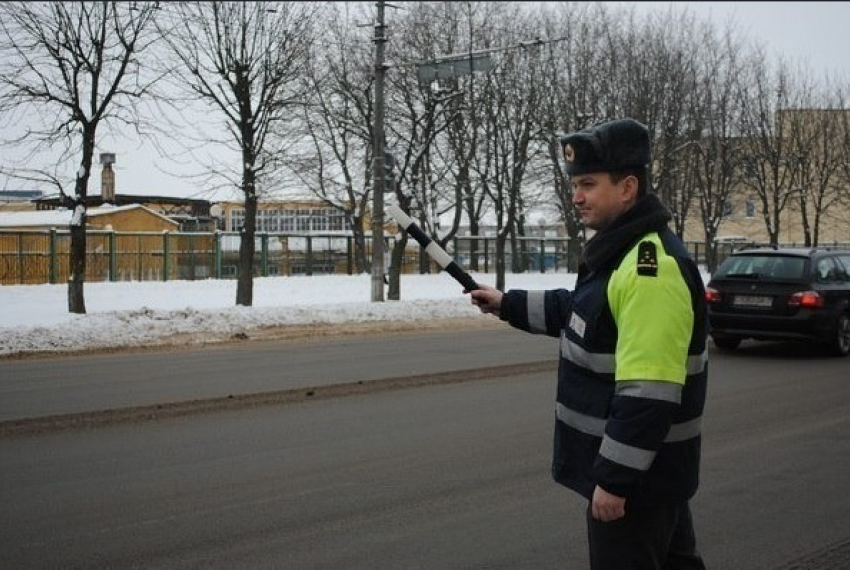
152	412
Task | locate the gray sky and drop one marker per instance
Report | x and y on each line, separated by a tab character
812	32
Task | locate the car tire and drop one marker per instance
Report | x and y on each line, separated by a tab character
726	342
840	344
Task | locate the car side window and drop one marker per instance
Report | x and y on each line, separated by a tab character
821	269
828	271
844	260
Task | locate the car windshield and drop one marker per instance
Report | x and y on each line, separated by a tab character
762	267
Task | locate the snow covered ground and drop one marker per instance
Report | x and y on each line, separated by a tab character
35	318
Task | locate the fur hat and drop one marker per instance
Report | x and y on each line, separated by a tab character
606	147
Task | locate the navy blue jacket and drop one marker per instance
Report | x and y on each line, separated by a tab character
633	362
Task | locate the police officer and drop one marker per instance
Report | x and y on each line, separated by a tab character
633	365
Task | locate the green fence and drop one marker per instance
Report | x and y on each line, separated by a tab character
37	257
33	257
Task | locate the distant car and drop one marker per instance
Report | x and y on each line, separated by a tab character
781	294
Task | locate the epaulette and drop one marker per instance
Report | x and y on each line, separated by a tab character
647	259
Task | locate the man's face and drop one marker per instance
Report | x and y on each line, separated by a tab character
599	200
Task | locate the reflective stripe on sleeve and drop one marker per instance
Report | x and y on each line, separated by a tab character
536	306
697	362
684	431
634	457
653	390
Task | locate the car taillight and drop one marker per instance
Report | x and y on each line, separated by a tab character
712	295
807	299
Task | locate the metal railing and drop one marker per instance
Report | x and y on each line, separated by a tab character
42	256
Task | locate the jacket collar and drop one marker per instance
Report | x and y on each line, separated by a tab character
609	244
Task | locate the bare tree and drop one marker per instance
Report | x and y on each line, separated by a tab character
842	96
419	115
769	165
335	163
816	159
569	100
511	101
714	150
245	61
74	65
465	31
668	42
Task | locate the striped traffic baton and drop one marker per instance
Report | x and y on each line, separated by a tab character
433	249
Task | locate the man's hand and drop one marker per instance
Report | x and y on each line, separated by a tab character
486	298
606	507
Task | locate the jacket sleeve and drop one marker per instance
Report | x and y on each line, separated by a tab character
654	317
536	312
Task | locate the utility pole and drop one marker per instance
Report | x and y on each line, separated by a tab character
378	177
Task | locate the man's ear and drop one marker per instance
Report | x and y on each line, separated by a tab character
630	189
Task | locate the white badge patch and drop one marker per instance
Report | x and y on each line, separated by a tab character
577	324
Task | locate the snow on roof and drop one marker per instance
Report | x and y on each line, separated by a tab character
62	217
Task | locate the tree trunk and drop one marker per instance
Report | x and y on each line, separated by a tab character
245	278
77	253
361	260
501	240
396	260
77	261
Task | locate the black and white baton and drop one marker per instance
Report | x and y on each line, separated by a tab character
436	252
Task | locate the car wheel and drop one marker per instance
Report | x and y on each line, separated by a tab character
726	342
840	344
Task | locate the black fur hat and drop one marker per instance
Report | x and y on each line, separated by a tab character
606	147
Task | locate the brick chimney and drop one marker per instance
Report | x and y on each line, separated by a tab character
107	177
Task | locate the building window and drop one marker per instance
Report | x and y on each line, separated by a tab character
237	219
302	220
337	221
293	221
320	221
269	221
751	209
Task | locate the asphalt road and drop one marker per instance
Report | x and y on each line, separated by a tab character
445	476
72	384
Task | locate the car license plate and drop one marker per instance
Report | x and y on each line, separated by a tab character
752	301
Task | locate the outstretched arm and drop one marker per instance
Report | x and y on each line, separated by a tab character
536	312
487	299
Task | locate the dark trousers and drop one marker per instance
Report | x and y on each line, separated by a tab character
657	538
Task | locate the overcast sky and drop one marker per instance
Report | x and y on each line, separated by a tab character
813	32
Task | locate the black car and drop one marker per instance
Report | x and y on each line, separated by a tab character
781	294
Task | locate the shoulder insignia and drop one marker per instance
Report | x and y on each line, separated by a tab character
647	259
